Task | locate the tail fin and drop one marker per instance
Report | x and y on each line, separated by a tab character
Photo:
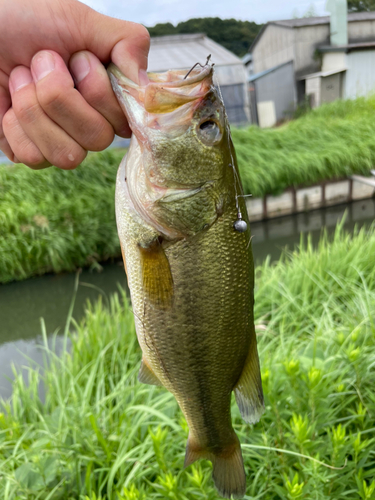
228	470
229	473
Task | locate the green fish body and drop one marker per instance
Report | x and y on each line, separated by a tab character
190	273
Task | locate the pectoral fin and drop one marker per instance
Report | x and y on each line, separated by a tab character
147	376
248	390
156	275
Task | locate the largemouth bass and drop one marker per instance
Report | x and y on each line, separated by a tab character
186	246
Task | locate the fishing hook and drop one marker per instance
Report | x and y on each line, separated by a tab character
197	64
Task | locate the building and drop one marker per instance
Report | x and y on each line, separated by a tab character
183	51
348	71
298	40
273	96
332	56
347	66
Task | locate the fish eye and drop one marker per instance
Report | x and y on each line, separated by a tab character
209	131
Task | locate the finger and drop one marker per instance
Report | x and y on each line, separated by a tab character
134	47
23	148
93	83
63	103
4	106
54	143
125	43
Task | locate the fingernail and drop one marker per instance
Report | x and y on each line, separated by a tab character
19	78
143	78
80	66
42	64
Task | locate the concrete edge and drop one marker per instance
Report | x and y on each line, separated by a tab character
321	195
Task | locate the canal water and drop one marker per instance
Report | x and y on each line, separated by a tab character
22	304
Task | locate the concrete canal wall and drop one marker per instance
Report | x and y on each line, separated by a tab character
321	195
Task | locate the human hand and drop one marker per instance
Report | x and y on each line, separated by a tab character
44	119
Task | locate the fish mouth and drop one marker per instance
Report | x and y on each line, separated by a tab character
166	91
171	78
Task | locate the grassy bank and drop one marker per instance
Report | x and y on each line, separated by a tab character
54	220
102	435
333	141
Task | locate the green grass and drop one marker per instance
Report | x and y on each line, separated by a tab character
102	435
53	220
333	141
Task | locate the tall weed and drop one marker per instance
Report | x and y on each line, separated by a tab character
100	434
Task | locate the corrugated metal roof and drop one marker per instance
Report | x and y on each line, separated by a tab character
183	51
304	21
311	21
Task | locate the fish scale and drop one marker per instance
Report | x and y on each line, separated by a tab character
190	272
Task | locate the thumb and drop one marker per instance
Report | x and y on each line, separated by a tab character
125	43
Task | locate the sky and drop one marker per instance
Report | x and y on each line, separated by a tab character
150	12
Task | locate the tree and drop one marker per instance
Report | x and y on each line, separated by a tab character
310	12
361	5
236	36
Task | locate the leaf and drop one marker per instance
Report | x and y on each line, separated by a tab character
50	467
22	474
29	478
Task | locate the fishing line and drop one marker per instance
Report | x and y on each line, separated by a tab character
239	224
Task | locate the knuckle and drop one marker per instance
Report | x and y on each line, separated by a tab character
142	33
143	39
97	97
9	121
30	156
25	150
26	110
100	138
51	98
138	40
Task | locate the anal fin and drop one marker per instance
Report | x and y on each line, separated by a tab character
156	275
147	376
248	390
193	452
